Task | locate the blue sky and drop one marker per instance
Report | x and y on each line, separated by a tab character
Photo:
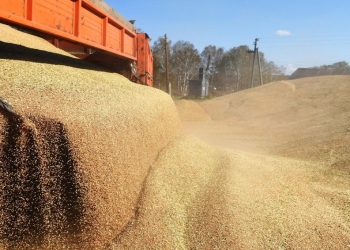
299	33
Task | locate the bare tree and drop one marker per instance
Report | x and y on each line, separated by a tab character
337	65
185	61
158	50
216	55
235	69
272	72
228	70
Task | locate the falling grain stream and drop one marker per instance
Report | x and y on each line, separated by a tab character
40	192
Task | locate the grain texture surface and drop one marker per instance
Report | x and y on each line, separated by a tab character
112	129
93	161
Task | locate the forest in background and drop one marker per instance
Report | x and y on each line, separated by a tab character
227	70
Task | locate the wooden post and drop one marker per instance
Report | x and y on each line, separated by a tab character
261	81
168	85
252	79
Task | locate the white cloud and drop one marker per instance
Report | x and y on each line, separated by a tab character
283	33
290	69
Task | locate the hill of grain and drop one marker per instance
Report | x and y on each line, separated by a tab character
306	118
245	194
91	140
191	111
265	201
93	161
101	4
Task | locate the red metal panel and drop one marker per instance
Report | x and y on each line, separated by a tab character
80	27
58	14
91	25
113	36
16	7
78	21
129	44
144	59
104	30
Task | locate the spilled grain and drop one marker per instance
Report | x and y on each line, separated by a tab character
142	186
115	130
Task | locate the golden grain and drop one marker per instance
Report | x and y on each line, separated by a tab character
143	186
116	128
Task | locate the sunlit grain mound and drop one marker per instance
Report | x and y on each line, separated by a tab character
191	111
75	158
187	176
200	197
92	161
307	118
263	200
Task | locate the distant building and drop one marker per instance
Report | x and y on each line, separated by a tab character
200	87
310	72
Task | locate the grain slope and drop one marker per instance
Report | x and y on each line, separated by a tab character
111	128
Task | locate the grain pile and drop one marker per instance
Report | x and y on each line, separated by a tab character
101	4
74	163
191	111
280	116
104	166
201	197
41	188
266	201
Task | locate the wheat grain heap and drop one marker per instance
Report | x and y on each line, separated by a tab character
74	161
90	160
101	4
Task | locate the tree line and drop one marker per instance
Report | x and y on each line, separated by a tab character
338	65
228	70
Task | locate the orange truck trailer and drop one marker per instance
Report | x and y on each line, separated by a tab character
88	29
